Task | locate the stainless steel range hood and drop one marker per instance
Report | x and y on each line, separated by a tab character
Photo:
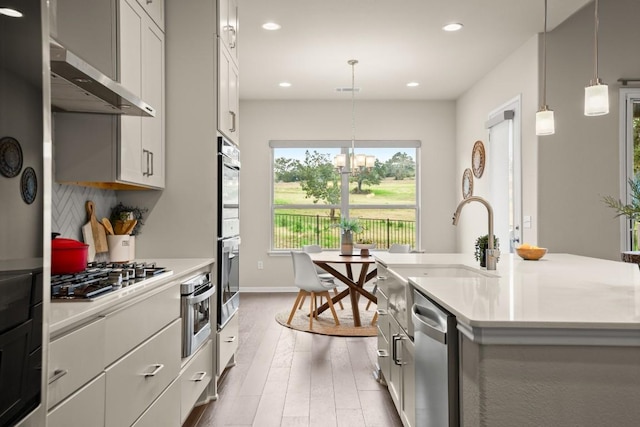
81	88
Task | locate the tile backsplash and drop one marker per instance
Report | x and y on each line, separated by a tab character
68	212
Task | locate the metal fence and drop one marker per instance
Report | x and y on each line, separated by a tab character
293	231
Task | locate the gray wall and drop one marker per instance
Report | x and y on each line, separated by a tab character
580	164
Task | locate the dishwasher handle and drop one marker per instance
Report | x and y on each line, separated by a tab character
429	322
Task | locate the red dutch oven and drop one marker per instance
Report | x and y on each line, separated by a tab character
67	255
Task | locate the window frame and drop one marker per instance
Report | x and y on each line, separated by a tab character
345	206
627	98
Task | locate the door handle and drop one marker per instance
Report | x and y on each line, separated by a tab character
394	350
146	153
233	121
151	154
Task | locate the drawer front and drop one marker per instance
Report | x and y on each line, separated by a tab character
165	411
129	326
86	404
384	349
74	359
227	342
137	379
195	377
382	275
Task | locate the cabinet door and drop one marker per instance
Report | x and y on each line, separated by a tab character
153	93
155	10
227	95
228	26
395	369
408	383
132	162
86	404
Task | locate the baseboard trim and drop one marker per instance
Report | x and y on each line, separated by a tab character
282	289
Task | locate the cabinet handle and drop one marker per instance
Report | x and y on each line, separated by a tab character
146	153
201	375
381	312
149	1
230	339
157	368
232	42
233	121
382	353
57	374
151	155
394	351
381	277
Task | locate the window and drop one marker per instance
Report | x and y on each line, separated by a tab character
309	193
630	140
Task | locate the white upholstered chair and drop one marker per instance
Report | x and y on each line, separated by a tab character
314	249
306	278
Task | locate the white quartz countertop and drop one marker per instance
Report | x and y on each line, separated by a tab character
560	291
65	314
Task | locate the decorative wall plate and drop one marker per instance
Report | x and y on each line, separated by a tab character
10	157
29	185
478	159
467	183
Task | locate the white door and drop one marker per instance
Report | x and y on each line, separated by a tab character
504	174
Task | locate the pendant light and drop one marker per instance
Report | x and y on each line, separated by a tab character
545	122
596	95
359	162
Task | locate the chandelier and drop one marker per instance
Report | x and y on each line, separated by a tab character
357	162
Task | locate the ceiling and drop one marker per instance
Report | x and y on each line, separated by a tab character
395	42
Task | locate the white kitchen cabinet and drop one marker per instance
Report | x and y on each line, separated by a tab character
195	377
228	27
228	94
141	143
163	412
396	354
119	152
67	372
228	343
86	404
147	370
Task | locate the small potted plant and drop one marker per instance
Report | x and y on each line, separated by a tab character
482	243
347	228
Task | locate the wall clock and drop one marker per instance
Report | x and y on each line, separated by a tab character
467	183
478	159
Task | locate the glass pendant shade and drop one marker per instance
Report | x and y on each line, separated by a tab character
339	161
370	161
596	100
545	122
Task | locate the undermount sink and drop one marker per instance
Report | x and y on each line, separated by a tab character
442	271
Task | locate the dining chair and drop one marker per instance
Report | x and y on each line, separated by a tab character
394	248
306	278
314	249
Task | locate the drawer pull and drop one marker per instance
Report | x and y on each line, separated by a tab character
381	312
382	353
201	375
157	368
230	339
57	374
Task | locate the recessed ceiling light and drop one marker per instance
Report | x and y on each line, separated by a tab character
413	84
271	26
10	12
453	27
285	84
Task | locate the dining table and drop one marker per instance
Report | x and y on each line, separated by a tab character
329	261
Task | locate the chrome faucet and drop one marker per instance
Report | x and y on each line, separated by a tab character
492	254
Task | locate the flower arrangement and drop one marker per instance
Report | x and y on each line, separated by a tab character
348	225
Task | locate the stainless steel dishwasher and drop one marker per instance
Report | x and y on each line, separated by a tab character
436	364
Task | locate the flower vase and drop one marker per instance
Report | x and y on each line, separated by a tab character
346	243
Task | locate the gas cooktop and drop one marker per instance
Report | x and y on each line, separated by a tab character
100	279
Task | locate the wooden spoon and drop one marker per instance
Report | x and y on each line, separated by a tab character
130	225
107	225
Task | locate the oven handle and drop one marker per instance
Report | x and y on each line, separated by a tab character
195	299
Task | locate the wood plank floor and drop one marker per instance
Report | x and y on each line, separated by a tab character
289	378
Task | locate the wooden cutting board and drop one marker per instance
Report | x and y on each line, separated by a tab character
97	229
87	236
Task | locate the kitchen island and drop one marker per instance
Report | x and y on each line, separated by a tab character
549	342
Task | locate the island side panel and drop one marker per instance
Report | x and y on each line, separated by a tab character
503	386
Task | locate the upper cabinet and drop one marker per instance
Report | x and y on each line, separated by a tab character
118	152
228	75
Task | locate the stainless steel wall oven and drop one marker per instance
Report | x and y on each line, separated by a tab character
195	310
228	260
